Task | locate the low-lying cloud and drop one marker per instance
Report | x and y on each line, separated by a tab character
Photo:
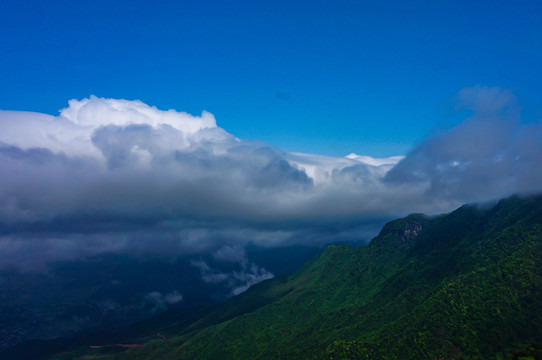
118	176
237	280
160	302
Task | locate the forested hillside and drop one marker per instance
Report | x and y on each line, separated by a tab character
466	285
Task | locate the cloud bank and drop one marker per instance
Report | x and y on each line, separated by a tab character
118	176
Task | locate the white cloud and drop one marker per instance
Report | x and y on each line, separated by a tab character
322	168
95	112
72	132
110	176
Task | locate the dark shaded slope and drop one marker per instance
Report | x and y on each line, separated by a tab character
171	323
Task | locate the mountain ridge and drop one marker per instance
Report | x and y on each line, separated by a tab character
462	285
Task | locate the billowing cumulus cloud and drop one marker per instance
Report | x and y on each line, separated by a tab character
118	176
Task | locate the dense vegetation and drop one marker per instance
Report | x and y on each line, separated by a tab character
466	285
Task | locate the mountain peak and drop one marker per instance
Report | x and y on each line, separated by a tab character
399	234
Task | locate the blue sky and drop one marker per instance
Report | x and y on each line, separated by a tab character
308	76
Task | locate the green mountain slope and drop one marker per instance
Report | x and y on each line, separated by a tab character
466	285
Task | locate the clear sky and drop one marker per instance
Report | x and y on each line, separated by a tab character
325	77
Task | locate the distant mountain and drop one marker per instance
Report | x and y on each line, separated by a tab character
466	285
